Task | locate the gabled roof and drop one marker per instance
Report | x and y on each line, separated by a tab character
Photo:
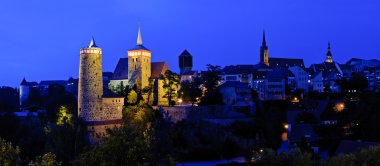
285	62
345	67
72	80
121	70
139	47
315	74
107	74
26	83
309	70
353	60
158	68
185	53
331	66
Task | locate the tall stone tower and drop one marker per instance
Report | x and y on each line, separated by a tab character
139	64
185	62
90	88
329	55
264	52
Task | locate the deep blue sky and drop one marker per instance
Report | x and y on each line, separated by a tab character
40	39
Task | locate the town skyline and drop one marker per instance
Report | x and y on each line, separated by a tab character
215	39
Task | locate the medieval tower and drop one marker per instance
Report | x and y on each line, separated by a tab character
97	107
139	64
329	54
264	52
185	61
90	83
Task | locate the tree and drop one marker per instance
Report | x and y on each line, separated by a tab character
148	90
190	91
358	82
47	159
9	155
132	97
120	89
210	80
127	145
170	83
64	116
9	99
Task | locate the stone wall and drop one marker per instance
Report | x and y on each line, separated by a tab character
139	61
97	132
90	88
112	108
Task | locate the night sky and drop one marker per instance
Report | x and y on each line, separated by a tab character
40	39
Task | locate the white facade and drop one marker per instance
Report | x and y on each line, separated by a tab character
316	82
301	78
271	89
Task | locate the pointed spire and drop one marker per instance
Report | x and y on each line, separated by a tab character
92	43
264	40
23	82
329	54
139	38
329	48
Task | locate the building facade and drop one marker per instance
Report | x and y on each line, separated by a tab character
185	61
97	109
137	69
139	64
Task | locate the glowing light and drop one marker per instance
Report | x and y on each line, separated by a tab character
339	107
179	101
295	100
286	126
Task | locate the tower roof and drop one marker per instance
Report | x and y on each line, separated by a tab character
139	38
264	42
185	53
139	43
23	82
329	54
92	43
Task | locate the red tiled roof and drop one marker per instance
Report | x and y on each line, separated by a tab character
158	68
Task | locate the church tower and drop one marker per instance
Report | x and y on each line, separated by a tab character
185	61
329	54
264	52
90	88
139	64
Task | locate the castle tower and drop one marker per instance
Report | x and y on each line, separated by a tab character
139	64
24	91
90	88
264	52
329	54
185	62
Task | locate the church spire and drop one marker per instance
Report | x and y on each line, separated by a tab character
329	54
264	43
139	38
264	55
92	43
